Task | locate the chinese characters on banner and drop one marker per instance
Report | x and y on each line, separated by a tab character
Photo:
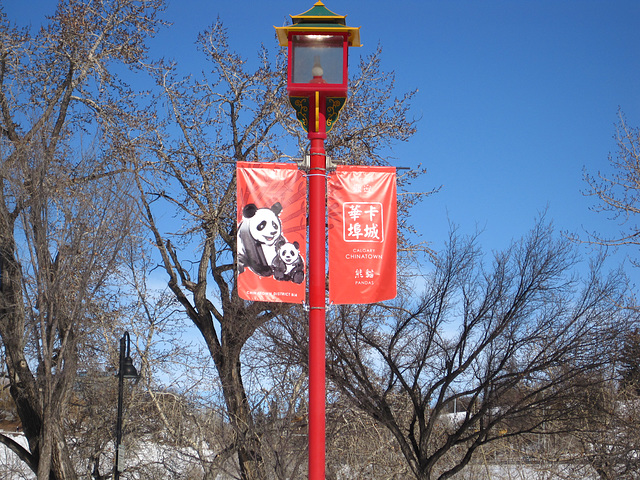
271	240
361	203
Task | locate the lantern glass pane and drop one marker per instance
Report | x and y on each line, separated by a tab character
317	59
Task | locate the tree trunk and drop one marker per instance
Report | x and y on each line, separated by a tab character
46	445
42	428
246	439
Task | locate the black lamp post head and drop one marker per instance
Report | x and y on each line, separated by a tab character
128	370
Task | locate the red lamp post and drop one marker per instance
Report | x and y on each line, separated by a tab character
317	42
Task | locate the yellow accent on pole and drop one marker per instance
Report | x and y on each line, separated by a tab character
317	111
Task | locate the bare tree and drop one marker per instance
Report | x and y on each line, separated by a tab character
63	205
512	343
617	193
609	435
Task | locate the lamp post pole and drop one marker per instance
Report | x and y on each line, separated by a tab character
317	314
125	370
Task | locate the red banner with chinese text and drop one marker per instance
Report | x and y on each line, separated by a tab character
362	211
271	239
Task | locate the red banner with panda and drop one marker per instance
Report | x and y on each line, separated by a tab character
271	238
362	211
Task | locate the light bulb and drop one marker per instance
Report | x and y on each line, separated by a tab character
317	70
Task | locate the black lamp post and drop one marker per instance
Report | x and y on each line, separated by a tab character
125	370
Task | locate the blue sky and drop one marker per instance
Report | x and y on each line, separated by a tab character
515	98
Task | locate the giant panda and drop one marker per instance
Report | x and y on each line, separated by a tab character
288	264
259	238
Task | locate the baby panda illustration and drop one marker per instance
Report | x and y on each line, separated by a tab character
288	264
259	238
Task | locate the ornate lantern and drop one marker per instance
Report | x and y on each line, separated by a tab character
318	42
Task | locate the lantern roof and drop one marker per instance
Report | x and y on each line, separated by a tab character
321	20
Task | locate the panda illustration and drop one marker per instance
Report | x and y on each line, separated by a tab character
259	238
288	264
